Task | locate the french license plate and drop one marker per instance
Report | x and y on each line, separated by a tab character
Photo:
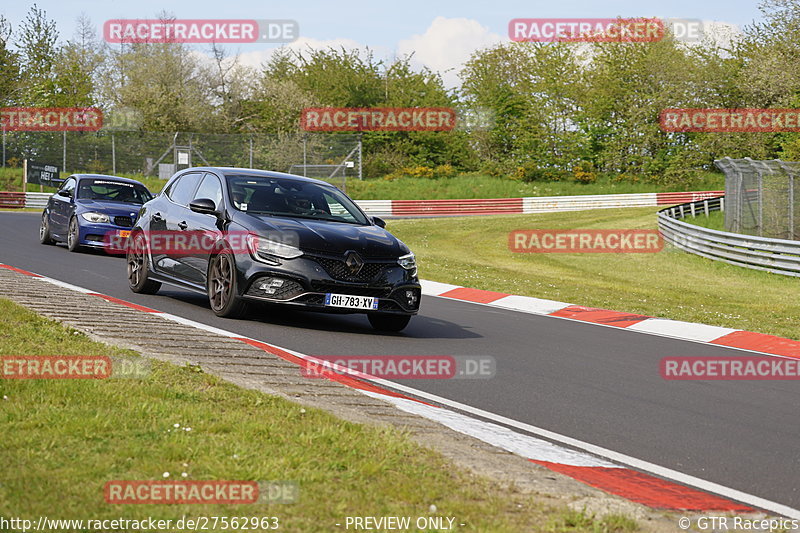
351	302
124	233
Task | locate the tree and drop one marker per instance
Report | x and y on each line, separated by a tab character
37	43
9	67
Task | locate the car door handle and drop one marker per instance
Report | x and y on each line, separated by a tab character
158	218
183	225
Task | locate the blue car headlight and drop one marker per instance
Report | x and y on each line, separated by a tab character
95	217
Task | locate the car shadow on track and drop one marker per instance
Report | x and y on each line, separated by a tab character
421	326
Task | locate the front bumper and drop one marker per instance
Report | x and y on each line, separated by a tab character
102	235
304	282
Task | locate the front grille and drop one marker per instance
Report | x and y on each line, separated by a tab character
125	222
376	292
338	269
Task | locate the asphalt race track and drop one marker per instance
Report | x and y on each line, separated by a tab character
597	384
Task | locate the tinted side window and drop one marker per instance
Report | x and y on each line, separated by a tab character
210	188
69	186
181	191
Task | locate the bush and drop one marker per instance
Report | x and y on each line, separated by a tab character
584	172
444	171
531	172
382	163
419	171
490	167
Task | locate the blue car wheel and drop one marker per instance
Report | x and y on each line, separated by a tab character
73	236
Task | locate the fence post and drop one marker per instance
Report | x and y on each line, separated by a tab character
305	136
113	155
251	152
760	204
705	206
4	147
64	153
360	147
691	208
791	206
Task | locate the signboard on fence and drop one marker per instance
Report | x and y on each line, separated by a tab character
42	174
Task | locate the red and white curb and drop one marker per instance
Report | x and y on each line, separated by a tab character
689	331
605	469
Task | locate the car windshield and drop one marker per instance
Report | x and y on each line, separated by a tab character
292	198
113	191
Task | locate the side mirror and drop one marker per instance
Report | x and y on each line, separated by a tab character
65	194
205	206
379	222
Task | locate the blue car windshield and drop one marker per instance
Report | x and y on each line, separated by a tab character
113	191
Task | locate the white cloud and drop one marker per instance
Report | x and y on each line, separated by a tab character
447	44
256	58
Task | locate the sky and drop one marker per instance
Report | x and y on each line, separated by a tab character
440	33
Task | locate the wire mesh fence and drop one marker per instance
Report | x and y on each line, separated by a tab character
330	156
761	197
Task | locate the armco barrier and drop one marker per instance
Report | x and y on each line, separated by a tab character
12	199
485	206
36	199
537	204
779	256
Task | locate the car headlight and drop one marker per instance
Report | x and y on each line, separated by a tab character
95	217
408	261
261	246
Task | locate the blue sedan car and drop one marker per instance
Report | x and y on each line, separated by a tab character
89	209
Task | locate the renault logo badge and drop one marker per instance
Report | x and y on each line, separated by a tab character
353	262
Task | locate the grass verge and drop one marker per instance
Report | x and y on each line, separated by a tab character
63	439
473	252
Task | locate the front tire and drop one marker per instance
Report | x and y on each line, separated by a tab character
222	288
138	269
73	236
44	231
390	323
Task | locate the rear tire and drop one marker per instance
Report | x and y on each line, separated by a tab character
73	236
138	269
390	323
222	288
44	231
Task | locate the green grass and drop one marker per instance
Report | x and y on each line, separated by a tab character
63	439
478	186
714	220
473	252
464	186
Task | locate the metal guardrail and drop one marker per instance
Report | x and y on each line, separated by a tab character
779	256
37	200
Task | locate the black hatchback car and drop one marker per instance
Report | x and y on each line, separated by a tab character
243	235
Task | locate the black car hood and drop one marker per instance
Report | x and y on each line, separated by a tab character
327	237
